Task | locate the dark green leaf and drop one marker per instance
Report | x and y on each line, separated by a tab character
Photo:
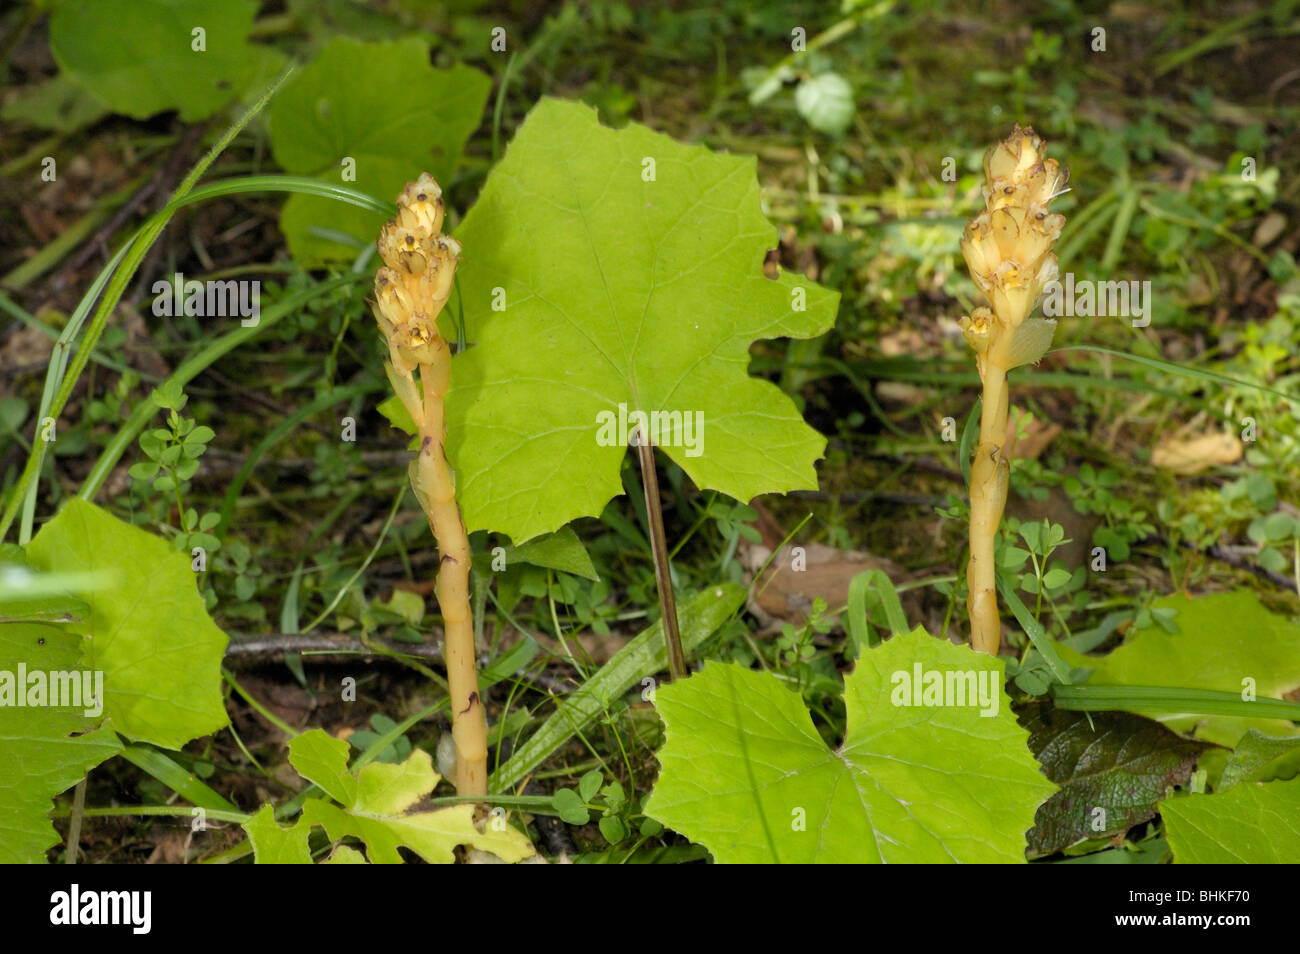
1112	772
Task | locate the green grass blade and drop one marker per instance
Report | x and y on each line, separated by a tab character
645	655
1161	700
22	583
856	615
1119	230
1034	630
969	435
302	185
180	781
25	489
1186	371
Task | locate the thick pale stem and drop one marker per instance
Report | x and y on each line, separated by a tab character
1008	248
410	290
988	497
435	488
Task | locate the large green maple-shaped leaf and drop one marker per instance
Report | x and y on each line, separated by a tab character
605	268
273	845
745	773
144	627
1226	641
374	808
139	56
43	751
1113	769
150	633
1255	824
381	105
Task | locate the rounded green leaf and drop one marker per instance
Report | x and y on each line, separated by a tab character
1272	559
149	633
746	774
1249	824
570	806
1056	577
589	785
826	102
1225	641
612	827
142	57
371	116
205	540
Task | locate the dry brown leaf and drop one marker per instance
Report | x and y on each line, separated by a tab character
1038	434
1269	228
172	846
901	341
1191	455
902	393
785	594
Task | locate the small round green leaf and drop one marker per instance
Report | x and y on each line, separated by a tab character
570	806
826	102
589	785
612	827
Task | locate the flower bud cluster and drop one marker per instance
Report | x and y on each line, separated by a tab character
419	267
1008	246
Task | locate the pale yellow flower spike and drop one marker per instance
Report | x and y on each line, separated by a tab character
1008	248
420	265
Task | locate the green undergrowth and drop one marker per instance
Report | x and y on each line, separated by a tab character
178	488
